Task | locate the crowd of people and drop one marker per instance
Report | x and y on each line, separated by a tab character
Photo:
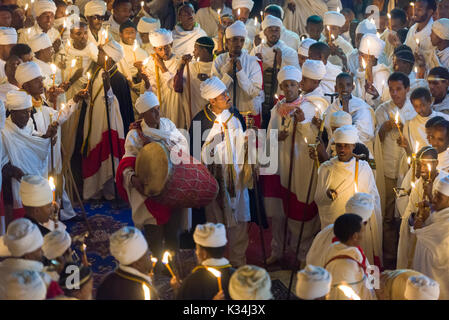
166	104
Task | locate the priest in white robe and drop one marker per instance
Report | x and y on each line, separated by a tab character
186	31
297	12
94	12
146	26
8	38
364	27
241	10
303	51
10	82
209	17
440	39
333	22
121	12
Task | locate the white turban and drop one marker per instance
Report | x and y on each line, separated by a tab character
242	4
27	71
148	25
442	186
305	45
146	101
250	283
39	42
42	6
441	28
289	73
35	191
334	18
114	50
340	118
22	237
279	7
8	36
160	38
314	69
421	288
346	134
95	8
56	243
365	27
210	235
361	204
372	45
18	100
212	88
237	29
313	282
128	245
25	285
271	21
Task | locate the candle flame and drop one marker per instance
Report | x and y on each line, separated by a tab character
153	259
389	16
338	9
68	43
51	182
349	292
255	21
84	247
135	45
378	34
165	257
396	117
146	291
412	184
263	41
29	30
332	37
219	11
328	28
305	139
26	7
412	4
144	62
67	12
53	68
106	58
215	272
416	147
416	69
355	188
261	13
64	25
276	96
142	3
238	13
88	75
417	41
62	106
363	64
73	63
429	168
409	160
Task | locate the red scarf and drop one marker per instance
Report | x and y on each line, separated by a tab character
286	108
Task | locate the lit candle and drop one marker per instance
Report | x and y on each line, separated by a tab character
53	69
409	160
105	61
364	68
429	169
144	62
51	182
154	261
255	21
219	15
328	33
416	147
338	8
146	292
142	4
238	13
59	113
26	7
217	274
355	187
396	120
413	8
261	15
348	292
88	79
165	262
72	65
389	20
417	42
305	140
64	25
83	249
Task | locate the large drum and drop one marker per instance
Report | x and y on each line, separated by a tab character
185	185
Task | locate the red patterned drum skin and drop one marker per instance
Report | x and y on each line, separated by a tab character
184	185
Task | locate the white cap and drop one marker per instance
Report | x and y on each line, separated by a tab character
148	25
289	73
210	235
271	21
242	4
35	191
279	7
128	245
442	186
365	27
441	28
160	38
361	204
305	45
372	45
212	88
22	237
237	29
340	118
27	71
250	283
18	100
39	42
346	134
421	288
313	282
146	101
334	18
95	8
313	69
8	36
56	244
114	50
42	6
25	285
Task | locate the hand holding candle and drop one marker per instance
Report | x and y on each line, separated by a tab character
51	182
396	121
146	292
167	265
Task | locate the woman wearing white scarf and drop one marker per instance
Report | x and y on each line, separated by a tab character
186	32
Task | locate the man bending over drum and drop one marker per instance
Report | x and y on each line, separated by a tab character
160	223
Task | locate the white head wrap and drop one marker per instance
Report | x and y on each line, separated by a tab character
114	50
42	6
237	29
94	8
372	45
305	45
340	118
314	69
39	42
250	283
334	18
22	237
271	21
441	28
313	282
346	134
242	4
279	7
442	186
365	27
210	235
27	71
361	204
421	288
146	101
289	73
128	245
212	88
160	38
25	285
8	36
56	244
35	191
18	100
148	25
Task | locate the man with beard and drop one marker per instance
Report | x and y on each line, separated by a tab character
187	31
122	10
94	13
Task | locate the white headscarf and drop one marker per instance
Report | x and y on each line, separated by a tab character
8	36
372	45
441	28
18	100
365	27
289	73
146	101
313	282
94	8
237	29
128	245
210	235
22	237
250	283
148	25
340	118
35	191
56	243
421	288
212	88
361	204
346	134
114	50
271	21
334	18
442	186
42	6
25	285
160	38
242	4
27	71
305	45
39	42
314	69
